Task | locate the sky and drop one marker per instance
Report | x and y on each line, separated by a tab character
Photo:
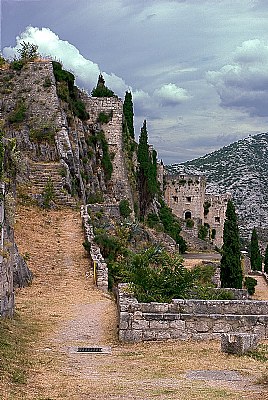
197	70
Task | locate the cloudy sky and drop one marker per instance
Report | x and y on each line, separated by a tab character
198	69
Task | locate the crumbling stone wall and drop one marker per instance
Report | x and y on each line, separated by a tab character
188	319
113	131
216	215
186	196
98	265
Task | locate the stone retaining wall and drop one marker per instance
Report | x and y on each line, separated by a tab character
100	269
188	319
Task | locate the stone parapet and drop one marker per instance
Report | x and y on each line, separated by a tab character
188	319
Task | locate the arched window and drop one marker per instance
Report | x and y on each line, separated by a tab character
188	215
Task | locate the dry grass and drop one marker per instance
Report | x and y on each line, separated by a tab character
62	309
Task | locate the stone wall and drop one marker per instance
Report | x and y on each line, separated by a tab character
100	269
113	131
188	319
216	215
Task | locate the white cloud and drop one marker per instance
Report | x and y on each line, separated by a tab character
243	84
171	95
49	44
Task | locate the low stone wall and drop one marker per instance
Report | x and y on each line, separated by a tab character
100	269
188	319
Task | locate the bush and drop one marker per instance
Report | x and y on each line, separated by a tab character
203	232
104	118
189	223
18	115
124	208
250	284
17	65
48	193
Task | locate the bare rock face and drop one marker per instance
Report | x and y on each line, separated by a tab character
22	276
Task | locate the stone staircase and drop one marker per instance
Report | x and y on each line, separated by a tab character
41	174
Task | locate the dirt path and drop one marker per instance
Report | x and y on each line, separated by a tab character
69	312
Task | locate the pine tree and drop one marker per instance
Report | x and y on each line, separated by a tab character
255	255
266	260
231	270
128	113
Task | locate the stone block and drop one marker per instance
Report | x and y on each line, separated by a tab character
238	343
149	335
163	335
159	325
140	324
178	324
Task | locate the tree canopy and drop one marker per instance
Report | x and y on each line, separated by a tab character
101	90
129	113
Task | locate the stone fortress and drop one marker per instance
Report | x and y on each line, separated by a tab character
186	195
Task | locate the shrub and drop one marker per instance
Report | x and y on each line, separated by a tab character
189	223
17	65
104	118
18	115
47	82
124	208
203	232
250	284
152	220
48	193
43	134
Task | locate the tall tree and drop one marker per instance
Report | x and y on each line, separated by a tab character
129	113
255	255
231	269
147	177
101	90
266	260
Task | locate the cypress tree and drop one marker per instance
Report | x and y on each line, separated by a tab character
255	255
266	260
128	113
231	270
147	171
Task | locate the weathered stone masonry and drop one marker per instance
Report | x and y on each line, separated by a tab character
189	319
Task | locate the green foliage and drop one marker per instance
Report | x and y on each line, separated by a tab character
47	82
104	118
189	223
260	354
124	208
171	225
68	92
106	157
48	194
16	65
87	245
94	198
231	270
250	284
255	255
204	273
203	231
43	134
129	113
2	61
19	113
110	246
152	220
266	260
147	172
28	51
206	292
158	276
101	90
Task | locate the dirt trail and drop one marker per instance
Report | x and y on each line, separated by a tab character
70	312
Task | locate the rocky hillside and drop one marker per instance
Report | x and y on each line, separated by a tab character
241	169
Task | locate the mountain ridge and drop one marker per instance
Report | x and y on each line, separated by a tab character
240	168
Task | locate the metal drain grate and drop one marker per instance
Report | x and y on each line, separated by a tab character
89	349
